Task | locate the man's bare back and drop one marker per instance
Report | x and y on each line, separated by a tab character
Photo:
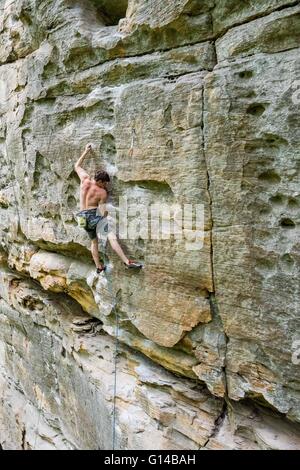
91	196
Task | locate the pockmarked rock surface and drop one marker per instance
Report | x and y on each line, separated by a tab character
209	94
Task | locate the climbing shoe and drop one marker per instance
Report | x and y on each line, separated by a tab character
101	270
133	265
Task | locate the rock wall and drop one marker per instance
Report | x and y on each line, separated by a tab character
206	337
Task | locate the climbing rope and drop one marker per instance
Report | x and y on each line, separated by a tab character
116	352
115	380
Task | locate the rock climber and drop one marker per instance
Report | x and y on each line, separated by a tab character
93	196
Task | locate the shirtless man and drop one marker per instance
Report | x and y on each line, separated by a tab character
93	196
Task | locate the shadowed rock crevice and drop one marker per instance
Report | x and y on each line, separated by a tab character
153	186
111	11
287	223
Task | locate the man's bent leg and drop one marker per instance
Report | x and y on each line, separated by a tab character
95	253
116	247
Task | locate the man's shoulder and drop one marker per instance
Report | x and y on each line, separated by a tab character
86	181
104	192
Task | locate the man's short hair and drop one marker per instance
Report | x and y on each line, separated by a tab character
102	175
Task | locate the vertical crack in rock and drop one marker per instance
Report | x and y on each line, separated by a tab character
208	184
23	438
218	422
13	182
212	295
215	314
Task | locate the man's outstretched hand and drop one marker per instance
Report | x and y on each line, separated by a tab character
78	168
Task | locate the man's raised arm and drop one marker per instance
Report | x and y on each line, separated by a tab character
78	168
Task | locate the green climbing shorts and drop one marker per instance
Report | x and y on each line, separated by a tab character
89	219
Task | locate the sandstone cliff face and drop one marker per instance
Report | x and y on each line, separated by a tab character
207	336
